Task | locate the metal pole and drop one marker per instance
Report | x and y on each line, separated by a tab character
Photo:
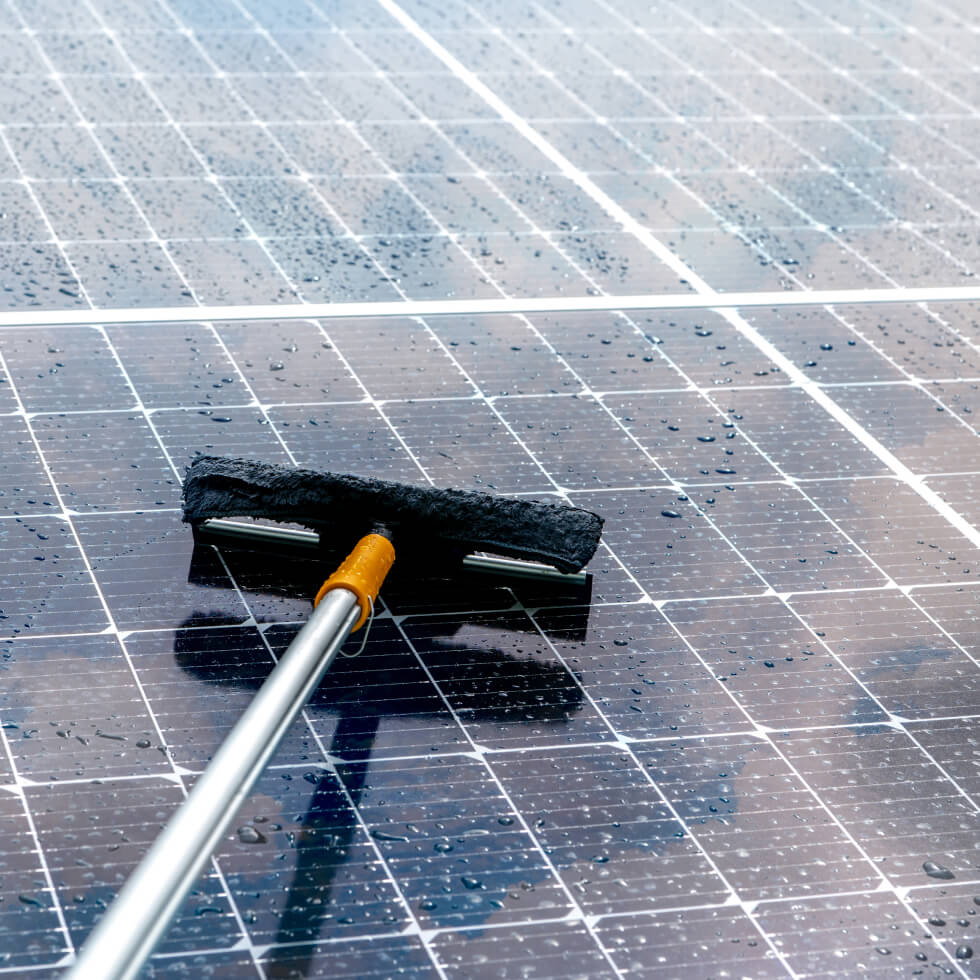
133	924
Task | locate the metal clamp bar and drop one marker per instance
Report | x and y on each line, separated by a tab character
216	530
512	568
220	529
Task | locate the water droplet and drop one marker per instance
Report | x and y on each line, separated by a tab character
383	835
937	871
508	821
669	513
143	743
471	883
277	366
936	921
964	952
249	835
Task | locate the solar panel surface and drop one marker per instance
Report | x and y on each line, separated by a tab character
754	753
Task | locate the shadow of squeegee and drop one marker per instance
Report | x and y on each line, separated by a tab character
484	685
385	681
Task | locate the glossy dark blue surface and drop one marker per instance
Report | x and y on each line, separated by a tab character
750	749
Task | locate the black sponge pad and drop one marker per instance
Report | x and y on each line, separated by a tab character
423	519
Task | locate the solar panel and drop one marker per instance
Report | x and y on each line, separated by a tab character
704	270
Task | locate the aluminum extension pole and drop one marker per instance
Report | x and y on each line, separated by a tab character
136	920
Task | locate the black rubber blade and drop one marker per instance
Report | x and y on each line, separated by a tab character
331	503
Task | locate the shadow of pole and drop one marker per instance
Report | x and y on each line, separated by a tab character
322	846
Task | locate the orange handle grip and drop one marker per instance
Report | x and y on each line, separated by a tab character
362	572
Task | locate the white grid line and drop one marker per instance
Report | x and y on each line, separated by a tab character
743	230
402	121
503	752
463	307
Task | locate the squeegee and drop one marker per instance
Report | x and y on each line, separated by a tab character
426	525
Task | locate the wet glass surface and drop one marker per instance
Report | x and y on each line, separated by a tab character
749	747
